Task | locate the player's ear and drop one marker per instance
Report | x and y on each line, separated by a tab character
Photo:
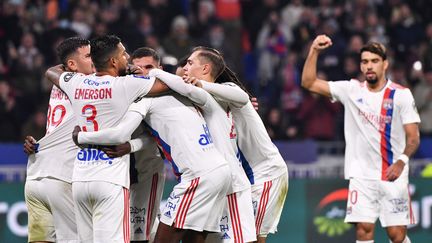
206	69
386	63
71	65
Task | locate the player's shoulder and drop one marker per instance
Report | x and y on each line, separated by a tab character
397	86
133	77
68	76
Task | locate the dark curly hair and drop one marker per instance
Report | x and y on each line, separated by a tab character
70	45
102	49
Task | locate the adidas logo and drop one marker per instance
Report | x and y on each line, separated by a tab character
138	231
226	236
168	214
360	101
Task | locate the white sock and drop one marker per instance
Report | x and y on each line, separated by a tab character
364	241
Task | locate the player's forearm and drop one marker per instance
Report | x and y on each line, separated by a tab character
412	144
53	74
309	75
115	135
230	94
177	84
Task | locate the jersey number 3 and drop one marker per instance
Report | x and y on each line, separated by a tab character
90	118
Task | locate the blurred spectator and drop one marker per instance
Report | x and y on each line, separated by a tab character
35	126
423	97
27	68
179	43
8	122
317	117
202	19
272	46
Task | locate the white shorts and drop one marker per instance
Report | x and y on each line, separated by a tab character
237	223
268	200
145	200
372	199
51	214
197	204
102	212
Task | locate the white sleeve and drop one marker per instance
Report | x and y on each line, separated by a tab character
409	112
228	92
339	90
136	86
67	80
115	135
176	83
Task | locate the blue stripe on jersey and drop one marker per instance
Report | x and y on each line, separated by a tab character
387	130
246	167
166	149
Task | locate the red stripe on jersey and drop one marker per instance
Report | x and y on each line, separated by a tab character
151	204
185	203
262	205
235	218
126	233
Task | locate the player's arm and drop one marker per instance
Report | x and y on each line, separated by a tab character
176	83
115	135
231	94
53	74
309	75
412	143
131	146
158	88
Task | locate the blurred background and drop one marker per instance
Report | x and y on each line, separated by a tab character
265	42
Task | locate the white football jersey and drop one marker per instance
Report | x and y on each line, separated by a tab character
182	134
374	132
100	102
221	126
260	157
56	150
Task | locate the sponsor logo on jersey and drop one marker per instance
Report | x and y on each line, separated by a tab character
167	214
387	104
93	155
95	83
68	76
138	231
206	138
225	236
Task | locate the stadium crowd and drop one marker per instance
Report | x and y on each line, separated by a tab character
265	42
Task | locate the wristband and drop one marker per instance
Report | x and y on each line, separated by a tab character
135	145
404	158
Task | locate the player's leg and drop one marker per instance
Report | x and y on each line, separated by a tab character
364	231
237	223
396	211
268	200
362	207
83	207
145	203
397	234
110	212
196	205
40	221
59	194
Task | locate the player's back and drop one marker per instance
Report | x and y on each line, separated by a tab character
182	134
56	150
262	158
100	102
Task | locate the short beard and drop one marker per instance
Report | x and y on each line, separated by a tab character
372	81
122	72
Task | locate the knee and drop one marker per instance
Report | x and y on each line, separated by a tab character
365	231
397	235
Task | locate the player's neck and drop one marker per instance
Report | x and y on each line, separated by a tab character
109	72
378	86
